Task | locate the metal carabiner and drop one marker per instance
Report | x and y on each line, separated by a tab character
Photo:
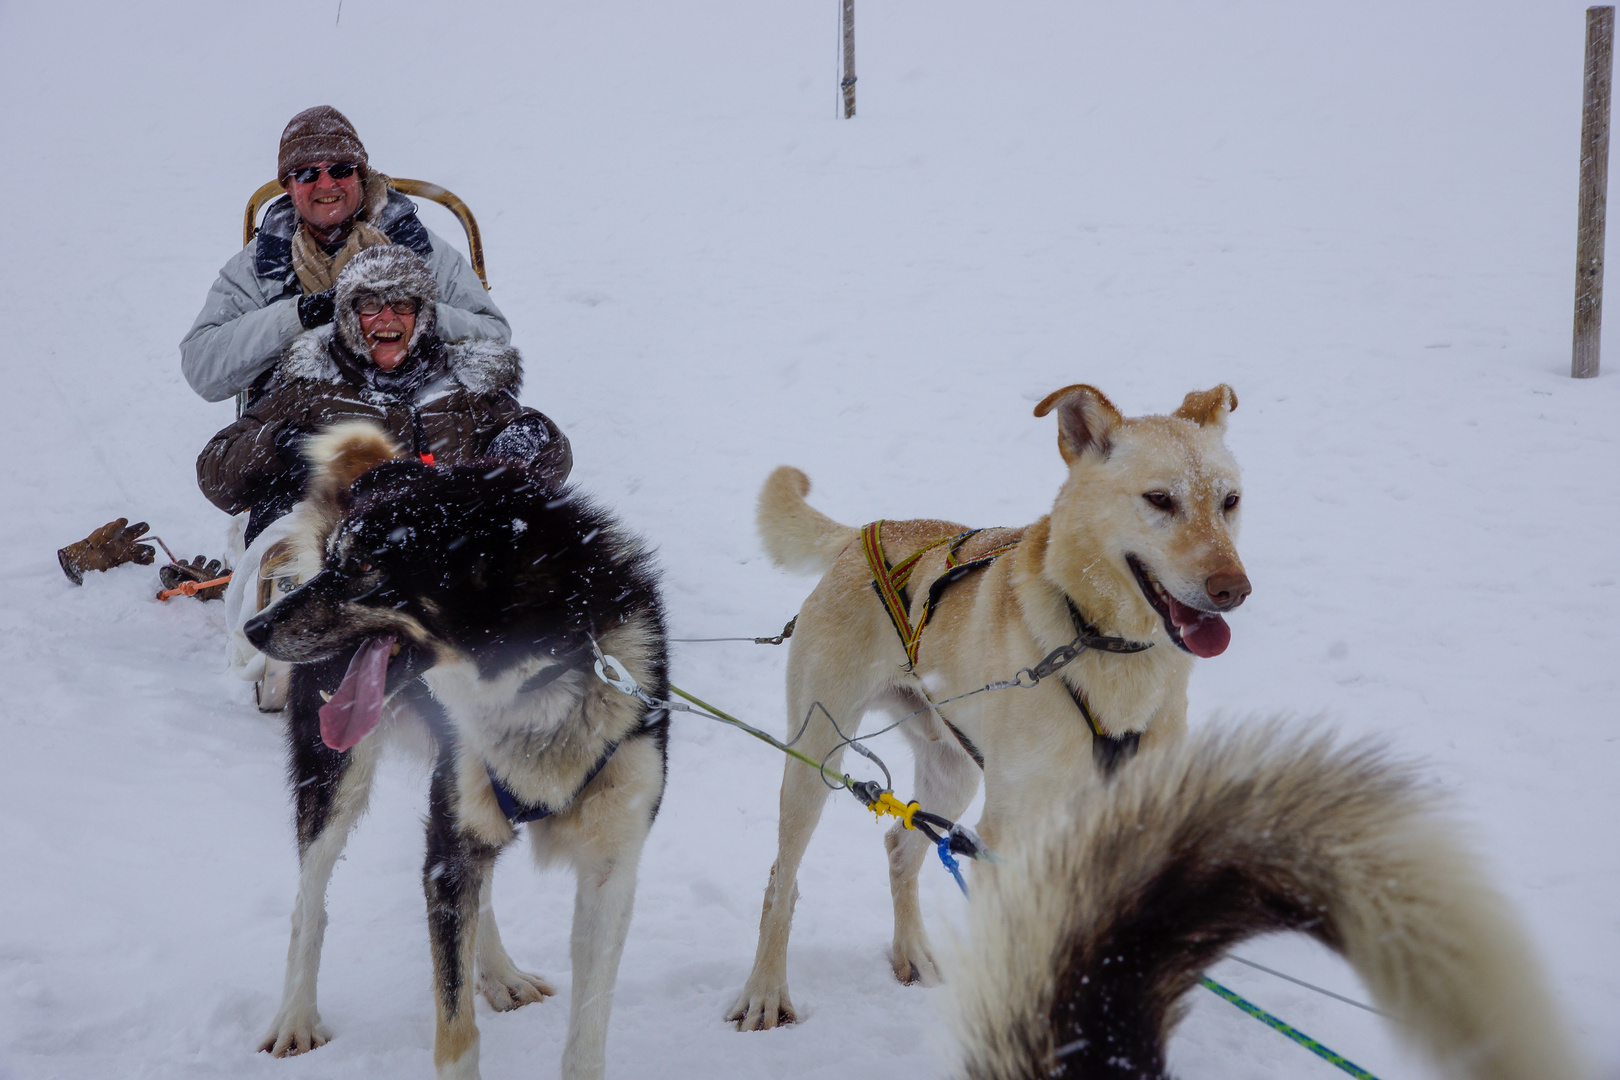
624	684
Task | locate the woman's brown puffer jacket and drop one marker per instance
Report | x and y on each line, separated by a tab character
451	401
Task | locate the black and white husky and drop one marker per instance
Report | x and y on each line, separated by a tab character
471	601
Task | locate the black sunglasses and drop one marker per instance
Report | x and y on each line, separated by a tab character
373	305
341	170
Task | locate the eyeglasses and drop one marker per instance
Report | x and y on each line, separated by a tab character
373	305
341	170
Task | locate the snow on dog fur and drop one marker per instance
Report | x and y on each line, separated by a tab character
467	600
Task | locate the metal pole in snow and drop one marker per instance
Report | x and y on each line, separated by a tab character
1594	190
848	81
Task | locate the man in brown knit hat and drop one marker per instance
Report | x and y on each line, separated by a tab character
281	284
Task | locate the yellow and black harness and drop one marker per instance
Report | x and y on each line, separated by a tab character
890	581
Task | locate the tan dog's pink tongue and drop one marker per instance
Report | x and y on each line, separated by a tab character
1204	634
354	710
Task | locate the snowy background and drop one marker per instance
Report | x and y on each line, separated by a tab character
1361	216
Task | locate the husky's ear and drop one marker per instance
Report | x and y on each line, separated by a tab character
1086	420
1208	408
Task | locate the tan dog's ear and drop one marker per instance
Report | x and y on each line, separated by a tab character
1086	419
1209	407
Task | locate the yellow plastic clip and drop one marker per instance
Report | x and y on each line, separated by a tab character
886	803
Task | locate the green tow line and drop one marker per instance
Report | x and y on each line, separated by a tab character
1293	1033
763	737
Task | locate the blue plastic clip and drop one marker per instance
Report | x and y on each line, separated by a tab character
945	856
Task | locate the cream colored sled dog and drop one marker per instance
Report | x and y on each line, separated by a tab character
1137	556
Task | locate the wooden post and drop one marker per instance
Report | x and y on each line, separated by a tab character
848	81
1594	191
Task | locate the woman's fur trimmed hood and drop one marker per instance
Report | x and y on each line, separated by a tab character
483	367
393	272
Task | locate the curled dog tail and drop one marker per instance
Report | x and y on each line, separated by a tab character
338	455
797	536
1085	939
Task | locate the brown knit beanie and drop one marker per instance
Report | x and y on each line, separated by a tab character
319	134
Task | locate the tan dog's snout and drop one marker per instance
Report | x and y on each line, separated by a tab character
1227	589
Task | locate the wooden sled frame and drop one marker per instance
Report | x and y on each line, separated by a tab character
420	189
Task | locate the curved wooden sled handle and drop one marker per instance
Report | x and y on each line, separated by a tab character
420	189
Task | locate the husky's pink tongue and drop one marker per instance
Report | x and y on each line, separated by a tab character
1204	634
357	706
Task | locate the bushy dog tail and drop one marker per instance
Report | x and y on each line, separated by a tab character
797	536
338	455
1085	938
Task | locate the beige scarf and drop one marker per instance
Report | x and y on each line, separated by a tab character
317	271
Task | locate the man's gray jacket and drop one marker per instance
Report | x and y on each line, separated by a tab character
251	314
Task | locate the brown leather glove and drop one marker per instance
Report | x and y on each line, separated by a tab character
175	574
114	544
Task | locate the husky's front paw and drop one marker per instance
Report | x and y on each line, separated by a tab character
762	1008
295	1032
914	963
512	989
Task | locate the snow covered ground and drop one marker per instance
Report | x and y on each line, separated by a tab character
1360	216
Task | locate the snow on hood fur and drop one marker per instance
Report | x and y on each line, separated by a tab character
483	367
393	272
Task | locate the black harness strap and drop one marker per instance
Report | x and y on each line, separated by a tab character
572	660
1091	638
967	744
889	582
517	813
955	571
1109	751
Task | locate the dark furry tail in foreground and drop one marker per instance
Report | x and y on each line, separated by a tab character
1085	939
